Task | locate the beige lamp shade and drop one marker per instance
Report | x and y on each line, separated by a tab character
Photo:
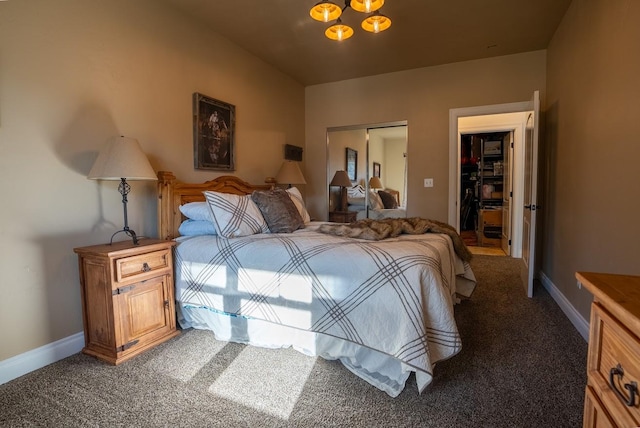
375	183
340	178
121	158
290	173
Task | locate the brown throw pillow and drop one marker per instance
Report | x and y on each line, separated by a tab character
278	210
388	200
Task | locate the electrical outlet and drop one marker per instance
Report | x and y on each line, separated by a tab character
428	182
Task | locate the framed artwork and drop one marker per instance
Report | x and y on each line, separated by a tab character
376	169
352	164
213	134
492	148
293	153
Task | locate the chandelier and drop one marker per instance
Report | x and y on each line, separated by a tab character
327	10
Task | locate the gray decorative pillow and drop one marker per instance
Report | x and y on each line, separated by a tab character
388	200
278	210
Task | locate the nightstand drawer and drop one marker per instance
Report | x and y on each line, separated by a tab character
143	265
615	367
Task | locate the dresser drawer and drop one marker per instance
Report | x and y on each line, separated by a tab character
142	266
595	415
614	366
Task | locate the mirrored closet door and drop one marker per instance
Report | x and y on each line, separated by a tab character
374	158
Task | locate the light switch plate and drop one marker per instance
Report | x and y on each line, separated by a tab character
428	182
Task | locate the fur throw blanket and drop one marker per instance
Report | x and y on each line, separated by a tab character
375	230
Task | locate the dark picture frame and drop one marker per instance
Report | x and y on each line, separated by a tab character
352	163
213	134
293	153
376	169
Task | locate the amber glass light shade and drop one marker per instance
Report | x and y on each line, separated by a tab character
325	11
376	23
339	31
366	6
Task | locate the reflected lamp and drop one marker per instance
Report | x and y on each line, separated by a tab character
341	179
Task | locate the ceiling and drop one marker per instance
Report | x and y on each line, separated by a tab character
423	33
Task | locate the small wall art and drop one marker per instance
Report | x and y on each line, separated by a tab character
376	169
352	164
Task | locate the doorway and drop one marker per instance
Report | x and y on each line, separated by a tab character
524	176
485	188
506	121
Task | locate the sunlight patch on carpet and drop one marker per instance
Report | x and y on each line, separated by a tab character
192	353
258	380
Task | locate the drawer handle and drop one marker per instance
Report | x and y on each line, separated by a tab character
145	267
631	387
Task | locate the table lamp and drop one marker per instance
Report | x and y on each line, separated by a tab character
290	173
341	179
122	159
375	183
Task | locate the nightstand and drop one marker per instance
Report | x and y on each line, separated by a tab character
342	216
127	297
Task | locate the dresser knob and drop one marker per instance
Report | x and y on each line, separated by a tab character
145	267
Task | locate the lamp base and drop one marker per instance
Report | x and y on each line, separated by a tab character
129	233
124	189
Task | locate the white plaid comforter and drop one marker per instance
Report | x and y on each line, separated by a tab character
395	296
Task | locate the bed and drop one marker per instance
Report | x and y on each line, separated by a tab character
384	309
381	203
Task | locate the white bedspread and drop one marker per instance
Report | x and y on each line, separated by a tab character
394	297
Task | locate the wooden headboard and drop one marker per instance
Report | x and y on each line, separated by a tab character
172	194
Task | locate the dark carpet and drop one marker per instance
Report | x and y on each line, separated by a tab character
522	365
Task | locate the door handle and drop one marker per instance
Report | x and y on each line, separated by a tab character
532	207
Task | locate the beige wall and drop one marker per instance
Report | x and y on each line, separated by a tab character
593	145
423	97
74	73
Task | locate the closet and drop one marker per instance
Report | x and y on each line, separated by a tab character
485	173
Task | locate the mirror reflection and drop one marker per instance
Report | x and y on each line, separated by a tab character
375	160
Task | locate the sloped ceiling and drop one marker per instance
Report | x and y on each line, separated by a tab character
424	33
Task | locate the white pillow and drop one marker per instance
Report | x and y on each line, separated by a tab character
235	215
196	211
375	201
197	227
296	197
356	191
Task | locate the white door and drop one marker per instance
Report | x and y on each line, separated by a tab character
530	193
507	193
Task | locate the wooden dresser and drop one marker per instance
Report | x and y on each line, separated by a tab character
128	304
613	363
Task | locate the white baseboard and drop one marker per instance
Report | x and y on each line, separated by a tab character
574	316
29	361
